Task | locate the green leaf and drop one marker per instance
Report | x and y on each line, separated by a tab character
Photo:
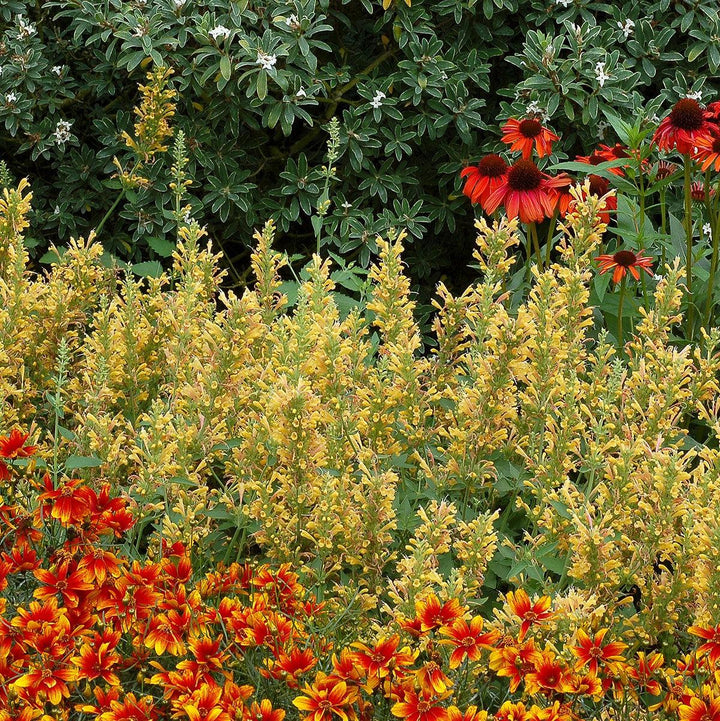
262	85
225	68
161	246
148	269
74	462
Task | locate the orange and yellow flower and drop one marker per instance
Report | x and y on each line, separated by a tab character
526	134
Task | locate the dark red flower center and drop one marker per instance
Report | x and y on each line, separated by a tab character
599	185
524	175
687	115
716	144
492	166
625	258
530	128
665	170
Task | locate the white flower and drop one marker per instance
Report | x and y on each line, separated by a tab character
347	205
534	108
187	218
62	132
301	93
220	31
707	230
627	27
57	210
697	95
376	102
25	30
602	126
139	31
657	277
57	69
10	98
1	69
292	21
179	3
564	3
265	61
600	74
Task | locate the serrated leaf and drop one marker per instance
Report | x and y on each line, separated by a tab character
148	269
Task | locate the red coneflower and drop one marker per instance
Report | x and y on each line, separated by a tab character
602	156
527	192
683	127
707	150
622	262
484	178
697	191
665	169
600	186
528	133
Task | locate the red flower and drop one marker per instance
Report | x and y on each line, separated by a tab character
265	712
68	584
528	133
418	707
665	169
699	710
97	661
527	192
431	679
531	614
377	662
707	150
712	637
49	681
623	261
327	698
484	178
13	446
593	653
683	127
468	639
645	670
603	155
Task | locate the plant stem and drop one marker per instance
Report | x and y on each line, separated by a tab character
551	233
121	195
715	233
532	229
620	313
663	226
688	234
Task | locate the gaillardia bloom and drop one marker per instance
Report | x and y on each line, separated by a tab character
624	261
527	193
683	127
525	134
484	178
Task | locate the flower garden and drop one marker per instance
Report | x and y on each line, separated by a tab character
321	487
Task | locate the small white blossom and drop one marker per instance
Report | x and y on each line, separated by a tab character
265	61
347	205
600	74
627	27
292	21
62	132
140	31
1	69
707	230
697	95
57	69
376	102
602	126
534	108
301	93
187	218
25	30
657	277
220	31
179	3
10	98
57	210
564	3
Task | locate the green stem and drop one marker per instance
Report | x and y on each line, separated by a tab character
715	233
121	195
663	226
641	219
532	229
688	235
551	233
620	313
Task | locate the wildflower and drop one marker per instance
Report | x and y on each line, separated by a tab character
535	110
468	639
219	31
94	663
686	123
433	614
527	193
471	714
601	76
484	178
665	169
130	709
431	679
548	674
699	710
376	102
69	584
301	93
524	134
57	69
13	446
62	132
52	682
531	614
707	150
602	156
292	21
326	698
592	653
602	126
627	27
377	661
694	95
179	3
418	707
264	711
623	261
514	662
564	3
707	229
25	30
697	191
265	61
712	638
646	667
10	98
